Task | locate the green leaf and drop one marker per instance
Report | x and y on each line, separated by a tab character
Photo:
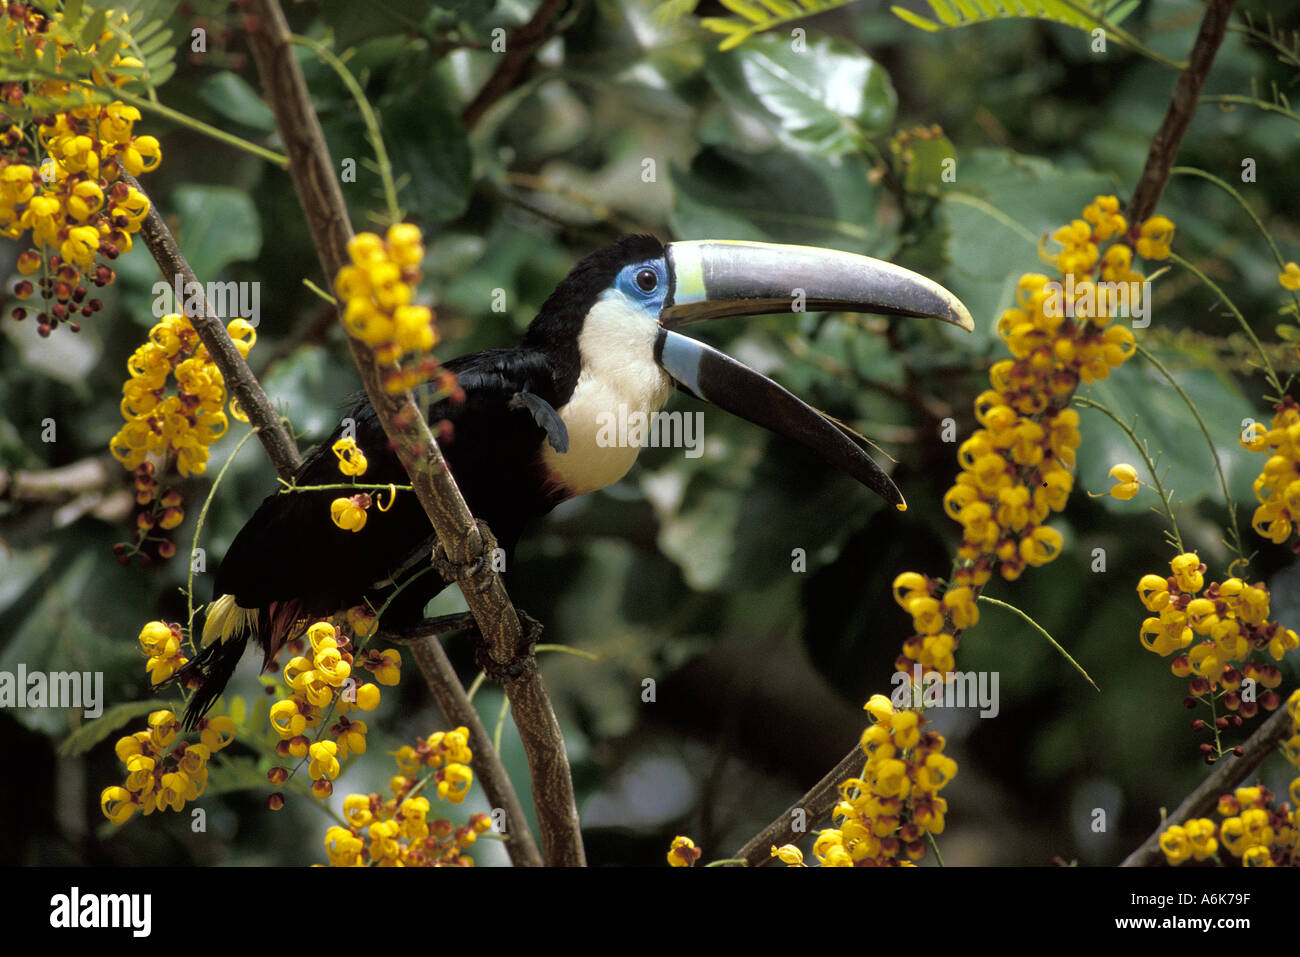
219	225
1171	432
93	27
428	145
755	16
234	98
19	569
381	18
780	196
963	14
997	210
826	96
700	537
924	162
93	732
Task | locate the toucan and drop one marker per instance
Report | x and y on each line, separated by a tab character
527	435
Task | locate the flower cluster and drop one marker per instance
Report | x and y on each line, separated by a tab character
1017	468
448	754
60	179
397	832
1197	839
883	817
377	289
160	643
683	852
161	428
1254	830
933	644
163	773
1278	485
316	682
1214	630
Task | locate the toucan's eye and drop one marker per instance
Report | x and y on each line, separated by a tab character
646	280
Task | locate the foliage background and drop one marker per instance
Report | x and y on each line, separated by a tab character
681	572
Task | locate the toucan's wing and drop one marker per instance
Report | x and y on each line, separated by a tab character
290	548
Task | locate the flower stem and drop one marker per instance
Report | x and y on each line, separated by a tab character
1146	457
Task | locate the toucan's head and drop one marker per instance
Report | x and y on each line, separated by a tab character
610	322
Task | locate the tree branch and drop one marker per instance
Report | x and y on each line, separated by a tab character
57	484
1227	775
459	535
1182	107
450	694
239	379
522	43
813	807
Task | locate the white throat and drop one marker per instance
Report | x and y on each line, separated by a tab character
616	347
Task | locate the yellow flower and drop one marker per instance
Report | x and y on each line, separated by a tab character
216	733
118	804
905	728
1200	834
1174	842
455	783
1289	277
1188	572
367	697
880	708
683	852
324	763
349	514
343	847
1126	482
937	771
788	854
352	461
1155	237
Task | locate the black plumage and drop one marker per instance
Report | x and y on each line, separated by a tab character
290	562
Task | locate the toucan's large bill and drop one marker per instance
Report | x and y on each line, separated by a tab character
711	279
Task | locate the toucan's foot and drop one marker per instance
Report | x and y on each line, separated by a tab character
431	628
522	662
478	571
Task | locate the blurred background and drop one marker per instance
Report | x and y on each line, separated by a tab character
682	572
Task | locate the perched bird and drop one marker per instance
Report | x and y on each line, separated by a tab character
527	435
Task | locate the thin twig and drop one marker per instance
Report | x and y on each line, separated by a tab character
458	533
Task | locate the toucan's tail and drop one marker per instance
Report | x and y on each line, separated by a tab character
225	635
